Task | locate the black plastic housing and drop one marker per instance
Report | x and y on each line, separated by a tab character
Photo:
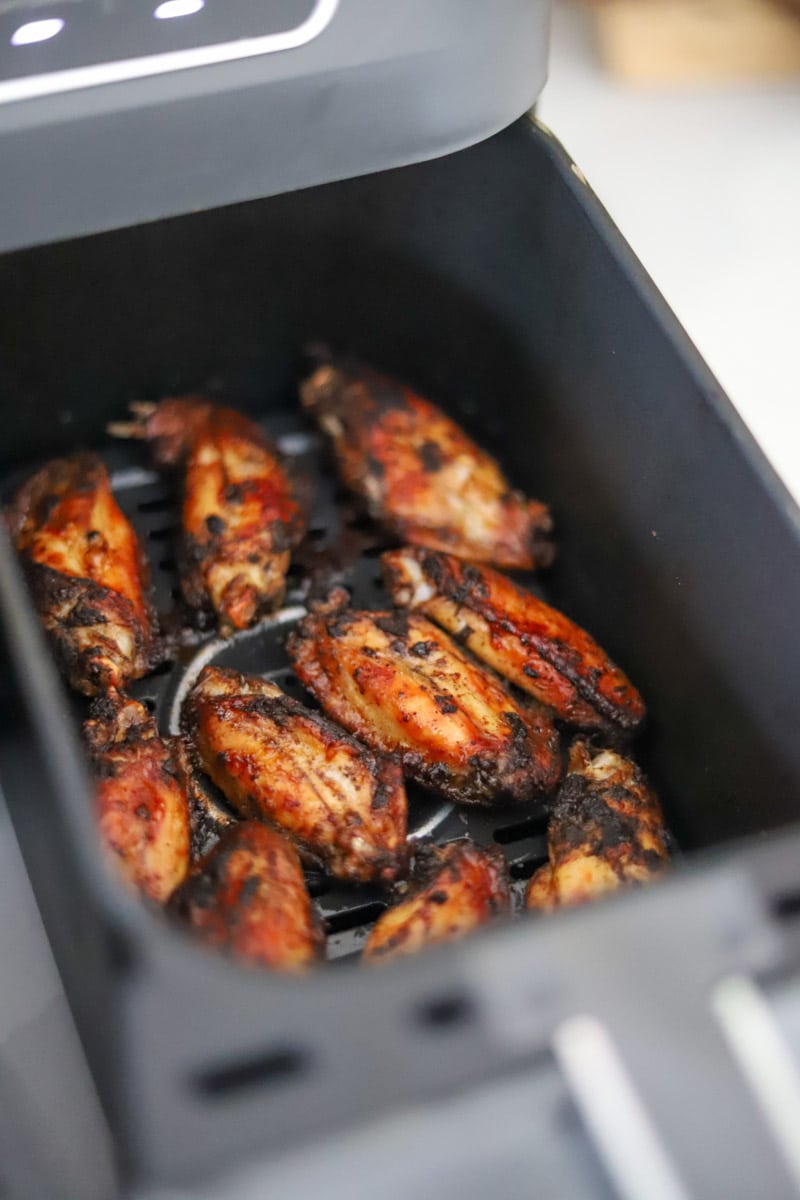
493	281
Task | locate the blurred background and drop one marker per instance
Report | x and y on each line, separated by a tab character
685	118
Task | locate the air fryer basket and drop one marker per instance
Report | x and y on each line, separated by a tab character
491	280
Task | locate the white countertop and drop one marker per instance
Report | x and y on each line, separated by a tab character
704	183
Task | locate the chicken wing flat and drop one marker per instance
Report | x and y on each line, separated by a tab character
521	637
86	572
276	760
240	516
606	830
419	473
402	686
456	888
249	897
142	805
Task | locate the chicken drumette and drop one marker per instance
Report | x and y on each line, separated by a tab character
86	572
420	475
249	897
402	686
274	759
142	805
455	888
240	516
524	639
606	830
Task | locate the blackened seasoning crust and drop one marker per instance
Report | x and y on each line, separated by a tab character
454	890
531	644
418	472
605	830
451	723
342	805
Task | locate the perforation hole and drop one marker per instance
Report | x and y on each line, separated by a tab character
530	827
445	1012
351	918
157	504
166	564
162	535
255	1070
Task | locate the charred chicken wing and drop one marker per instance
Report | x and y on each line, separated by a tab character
240	515
524	639
402	686
420	474
605	830
276	760
142	805
249	897
456	888
86	573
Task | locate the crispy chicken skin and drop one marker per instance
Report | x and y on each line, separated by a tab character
420	474
456	888
606	830
521	637
274	759
249	897
240	516
142	805
86	572
402	686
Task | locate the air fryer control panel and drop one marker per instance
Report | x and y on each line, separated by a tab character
57	46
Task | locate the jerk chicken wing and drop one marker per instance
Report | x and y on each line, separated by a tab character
524	639
402	686
420	474
86	573
240	515
276	760
249	897
606	829
142	805
456	888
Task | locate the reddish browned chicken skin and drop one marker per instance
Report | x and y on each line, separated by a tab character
86	572
456	888
249	897
142	806
276	760
419	473
521	637
606	830
240	515
402	686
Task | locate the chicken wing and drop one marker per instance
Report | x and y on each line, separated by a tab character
276	760
249	897
524	639
240	517
402	686
86	572
606	830
142	806
420	474
456	888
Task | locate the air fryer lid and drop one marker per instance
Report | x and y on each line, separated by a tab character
113	114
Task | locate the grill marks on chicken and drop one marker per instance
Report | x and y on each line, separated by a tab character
249	897
403	687
525	640
456	889
606	830
240	516
86	573
419	473
142	806
274	759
